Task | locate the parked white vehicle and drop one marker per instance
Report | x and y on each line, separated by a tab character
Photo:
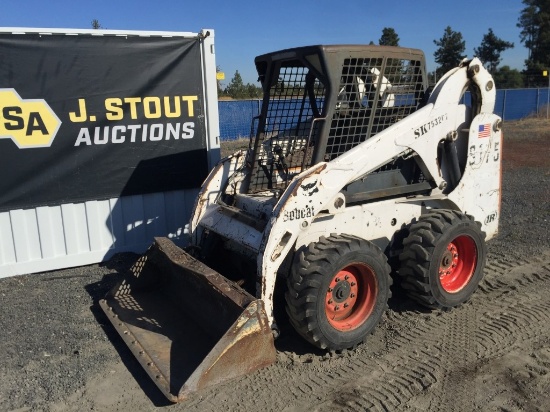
339	190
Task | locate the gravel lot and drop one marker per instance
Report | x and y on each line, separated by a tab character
491	354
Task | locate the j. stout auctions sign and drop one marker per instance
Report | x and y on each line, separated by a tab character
93	117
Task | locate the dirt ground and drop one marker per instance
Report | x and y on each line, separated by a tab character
59	353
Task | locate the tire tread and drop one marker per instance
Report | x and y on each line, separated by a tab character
306	278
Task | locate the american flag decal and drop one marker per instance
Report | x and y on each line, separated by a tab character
484	130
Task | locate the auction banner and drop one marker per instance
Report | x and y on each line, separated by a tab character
86	117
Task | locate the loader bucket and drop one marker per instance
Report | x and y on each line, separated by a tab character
187	325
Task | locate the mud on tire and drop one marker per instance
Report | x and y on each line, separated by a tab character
337	291
443	259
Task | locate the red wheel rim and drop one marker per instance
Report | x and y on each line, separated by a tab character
351	297
457	264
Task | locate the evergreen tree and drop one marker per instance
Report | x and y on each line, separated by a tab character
252	91
236	88
527	22
96	25
534	22
450	51
490	49
389	37
507	78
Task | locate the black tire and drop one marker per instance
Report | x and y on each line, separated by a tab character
337	291
443	259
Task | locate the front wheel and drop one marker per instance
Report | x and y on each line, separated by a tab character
443	259
337	291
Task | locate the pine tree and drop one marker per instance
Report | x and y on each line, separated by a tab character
450	51
236	88
490	49
534	22
507	78
389	37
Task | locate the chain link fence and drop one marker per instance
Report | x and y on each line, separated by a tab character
511	104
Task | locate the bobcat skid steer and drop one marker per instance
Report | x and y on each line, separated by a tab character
353	165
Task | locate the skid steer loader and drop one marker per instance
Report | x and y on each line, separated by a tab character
353	164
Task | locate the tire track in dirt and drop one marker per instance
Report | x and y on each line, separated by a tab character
504	315
388	391
517	312
503	273
426	354
458	349
455	340
501	329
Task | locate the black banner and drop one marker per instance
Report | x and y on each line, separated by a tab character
94	117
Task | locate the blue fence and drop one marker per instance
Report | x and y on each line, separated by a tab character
511	104
236	117
514	104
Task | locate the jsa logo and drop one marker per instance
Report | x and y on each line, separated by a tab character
28	122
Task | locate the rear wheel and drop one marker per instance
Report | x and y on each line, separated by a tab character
338	290
443	259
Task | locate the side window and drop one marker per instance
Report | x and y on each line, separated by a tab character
288	130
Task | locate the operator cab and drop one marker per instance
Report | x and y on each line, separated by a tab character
321	101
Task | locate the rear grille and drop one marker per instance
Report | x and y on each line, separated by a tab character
373	94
